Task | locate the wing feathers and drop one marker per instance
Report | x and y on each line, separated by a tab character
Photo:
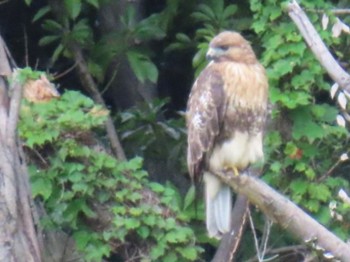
204	118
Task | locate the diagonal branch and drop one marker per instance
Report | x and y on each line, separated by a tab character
230	241
91	87
317	46
284	212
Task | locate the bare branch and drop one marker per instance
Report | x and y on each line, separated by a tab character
284	212
299	249
336	11
91	87
317	46
230	241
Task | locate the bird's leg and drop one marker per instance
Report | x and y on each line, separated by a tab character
232	168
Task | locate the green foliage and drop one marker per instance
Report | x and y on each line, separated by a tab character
145	132
72	176
24	74
303	144
306	142
130	41
213	17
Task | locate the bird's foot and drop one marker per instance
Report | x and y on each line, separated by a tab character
233	169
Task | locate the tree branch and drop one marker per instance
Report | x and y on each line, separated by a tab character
284	212
91	87
317	46
230	241
336	11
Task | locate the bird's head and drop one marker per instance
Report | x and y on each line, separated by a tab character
230	46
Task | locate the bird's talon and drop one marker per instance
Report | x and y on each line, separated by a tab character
234	169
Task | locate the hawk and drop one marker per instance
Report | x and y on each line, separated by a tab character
225	117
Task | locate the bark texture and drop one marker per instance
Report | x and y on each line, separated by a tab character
18	241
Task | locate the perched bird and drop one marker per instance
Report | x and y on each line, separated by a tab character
225	118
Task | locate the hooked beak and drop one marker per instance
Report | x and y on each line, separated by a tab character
214	53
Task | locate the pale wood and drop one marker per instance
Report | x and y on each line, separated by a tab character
288	215
318	47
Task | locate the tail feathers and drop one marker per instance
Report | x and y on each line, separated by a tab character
218	207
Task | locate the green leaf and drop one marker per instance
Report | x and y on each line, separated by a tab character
157	251
183	38
135	211
319	192
41	187
73	8
199	57
58	51
312	205
52	25
189	253
75	177
131	223
190	196
28	2
42	11
150	220
150	28
94	3
276	167
325	112
80	187
230	10
98	251
176	236
275	12
81	32
86	210
156	187
299	186
304	126
120	210
82	238
142	66
48	39
143	232
205	9
284	66
171	257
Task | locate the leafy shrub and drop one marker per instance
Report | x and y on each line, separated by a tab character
75	178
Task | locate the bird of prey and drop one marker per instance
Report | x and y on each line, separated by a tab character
225	117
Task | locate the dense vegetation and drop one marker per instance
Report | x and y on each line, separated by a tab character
116	209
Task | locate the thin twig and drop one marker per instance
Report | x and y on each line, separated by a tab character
329	172
256	242
277	251
58	76
110	81
26	46
266	236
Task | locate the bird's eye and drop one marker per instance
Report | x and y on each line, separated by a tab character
224	47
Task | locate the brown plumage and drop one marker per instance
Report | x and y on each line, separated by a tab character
226	113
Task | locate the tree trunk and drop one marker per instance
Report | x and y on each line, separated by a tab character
18	240
125	90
